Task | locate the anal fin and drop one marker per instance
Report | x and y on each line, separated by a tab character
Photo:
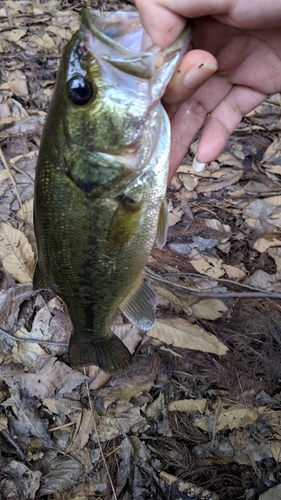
140	307
161	235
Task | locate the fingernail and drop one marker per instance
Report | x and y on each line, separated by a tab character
199	74
197	165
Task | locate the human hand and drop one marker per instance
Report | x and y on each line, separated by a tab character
249	69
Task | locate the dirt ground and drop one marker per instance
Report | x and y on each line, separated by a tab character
197	414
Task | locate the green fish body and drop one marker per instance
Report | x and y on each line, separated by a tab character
101	180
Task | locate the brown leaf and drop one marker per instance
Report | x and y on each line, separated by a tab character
10	302
180	333
16	253
51	377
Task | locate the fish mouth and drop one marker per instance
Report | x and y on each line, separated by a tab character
117	152
141	63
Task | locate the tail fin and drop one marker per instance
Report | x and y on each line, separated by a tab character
109	353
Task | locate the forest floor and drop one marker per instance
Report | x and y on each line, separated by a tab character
197	414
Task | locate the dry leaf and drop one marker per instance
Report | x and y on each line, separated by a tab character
231	177
189	181
209	309
191	489
233	272
188	405
16	253
85	429
232	418
17	82
27	421
114	425
3	422
52	377
209	266
10	302
276	450
180	333
26	212
262	244
273	493
173	219
26	353
60	473
218	226
275	253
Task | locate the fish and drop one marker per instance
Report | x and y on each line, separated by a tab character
101	180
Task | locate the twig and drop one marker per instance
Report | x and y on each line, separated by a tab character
98	441
52	429
7	166
221	280
222	295
35	341
20	171
7	13
11	440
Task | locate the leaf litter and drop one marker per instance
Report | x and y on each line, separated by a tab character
197	414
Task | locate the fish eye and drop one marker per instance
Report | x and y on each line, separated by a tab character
80	90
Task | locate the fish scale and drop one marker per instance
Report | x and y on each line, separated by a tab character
101	181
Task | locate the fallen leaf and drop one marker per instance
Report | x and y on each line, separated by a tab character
233	272
17	82
231	418
23	479
209	309
262	244
59	473
27	421
173	219
86	428
276	450
191	489
10	302
16	253
218	226
180	333
231	177
209	266
51	377
275	253
188	405
112	425
189	181
3	422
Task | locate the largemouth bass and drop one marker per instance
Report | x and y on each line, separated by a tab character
101	181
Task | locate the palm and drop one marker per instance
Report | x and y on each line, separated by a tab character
249	69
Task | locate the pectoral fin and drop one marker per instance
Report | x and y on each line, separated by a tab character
161	235
124	223
140	307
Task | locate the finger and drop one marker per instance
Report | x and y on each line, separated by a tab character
194	69
165	19
189	117
162	24
224	119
